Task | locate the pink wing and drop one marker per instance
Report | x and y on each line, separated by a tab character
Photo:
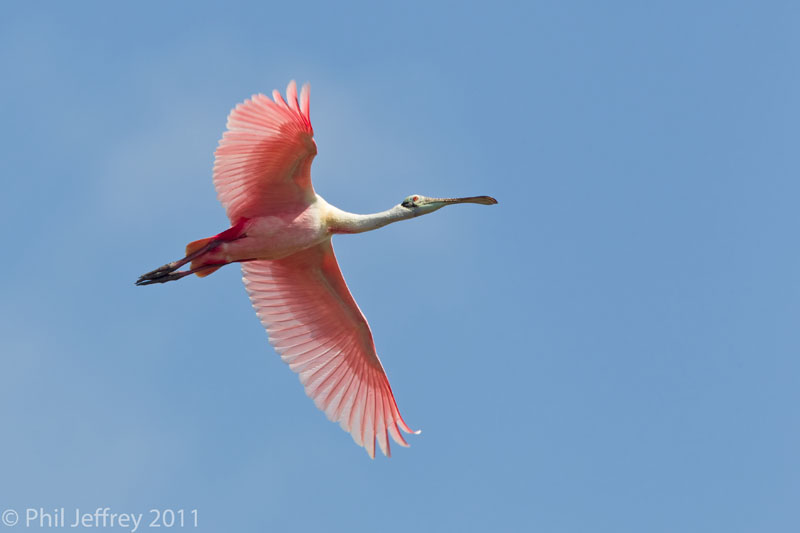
318	329
263	161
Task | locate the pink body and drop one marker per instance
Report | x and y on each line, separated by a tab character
277	235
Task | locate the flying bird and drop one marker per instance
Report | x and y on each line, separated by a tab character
281	233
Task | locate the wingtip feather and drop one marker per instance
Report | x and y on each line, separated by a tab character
291	96
305	101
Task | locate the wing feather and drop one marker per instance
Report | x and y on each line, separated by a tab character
263	161
319	331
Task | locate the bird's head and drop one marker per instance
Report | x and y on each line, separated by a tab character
422	205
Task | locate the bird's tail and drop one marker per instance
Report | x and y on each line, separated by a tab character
200	261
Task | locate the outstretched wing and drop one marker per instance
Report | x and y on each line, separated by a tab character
263	161
318	329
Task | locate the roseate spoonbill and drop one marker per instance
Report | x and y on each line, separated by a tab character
281	233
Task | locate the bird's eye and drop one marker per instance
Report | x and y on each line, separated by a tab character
409	202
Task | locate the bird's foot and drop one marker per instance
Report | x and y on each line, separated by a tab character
164	274
170	272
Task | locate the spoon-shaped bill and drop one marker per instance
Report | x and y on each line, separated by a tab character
483	200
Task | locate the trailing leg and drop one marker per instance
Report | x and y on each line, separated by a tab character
196	254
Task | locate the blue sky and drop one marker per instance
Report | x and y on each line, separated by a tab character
614	347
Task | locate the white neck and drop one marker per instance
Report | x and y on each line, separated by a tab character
343	222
